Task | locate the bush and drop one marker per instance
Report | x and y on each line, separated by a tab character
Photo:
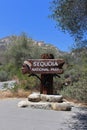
3	75
77	91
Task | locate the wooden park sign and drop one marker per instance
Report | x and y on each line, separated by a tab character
48	67
45	66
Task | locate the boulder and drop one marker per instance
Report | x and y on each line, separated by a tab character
51	98
23	104
40	105
34	97
61	106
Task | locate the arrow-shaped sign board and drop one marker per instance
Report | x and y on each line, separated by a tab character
45	66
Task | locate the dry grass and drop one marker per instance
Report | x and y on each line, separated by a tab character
76	102
19	94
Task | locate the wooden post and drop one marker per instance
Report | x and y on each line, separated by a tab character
46	79
46	84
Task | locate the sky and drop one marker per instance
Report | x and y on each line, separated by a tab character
31	17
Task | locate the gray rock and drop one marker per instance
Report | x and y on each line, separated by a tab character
61	106
34	97
40	105
52	98
23	104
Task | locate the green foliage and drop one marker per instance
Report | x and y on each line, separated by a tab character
15	88
3	75
70	15
77	91
26	82
19	50
76	76
79	45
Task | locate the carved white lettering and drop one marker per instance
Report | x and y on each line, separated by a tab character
54	69
40	69
44	64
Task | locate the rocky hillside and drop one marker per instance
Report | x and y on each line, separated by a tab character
4	42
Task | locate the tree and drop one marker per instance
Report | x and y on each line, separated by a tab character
71	16
80	45
19	50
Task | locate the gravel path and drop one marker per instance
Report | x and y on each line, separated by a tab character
14	118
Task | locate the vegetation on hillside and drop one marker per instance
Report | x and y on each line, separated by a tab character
72	84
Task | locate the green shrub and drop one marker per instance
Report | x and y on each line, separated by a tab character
3	75
77	91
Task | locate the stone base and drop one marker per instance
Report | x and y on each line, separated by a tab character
46	105
49	102
36	97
